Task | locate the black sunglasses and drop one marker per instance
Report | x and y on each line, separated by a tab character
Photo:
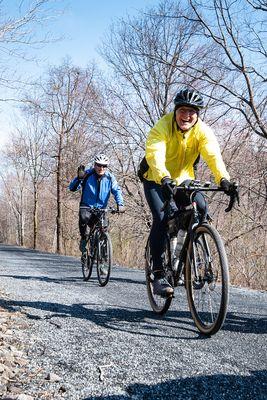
100	165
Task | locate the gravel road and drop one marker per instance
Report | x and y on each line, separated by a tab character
105	343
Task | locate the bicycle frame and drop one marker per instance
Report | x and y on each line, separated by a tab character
192	189
99	252
100	226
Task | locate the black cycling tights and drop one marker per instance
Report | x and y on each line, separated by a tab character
158	233
86	220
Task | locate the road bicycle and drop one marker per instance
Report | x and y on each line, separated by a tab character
98	248
202	264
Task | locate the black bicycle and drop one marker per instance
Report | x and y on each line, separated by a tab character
99	248
202	264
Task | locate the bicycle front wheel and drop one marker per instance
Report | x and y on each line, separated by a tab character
159	304
104	259
87	266
207	279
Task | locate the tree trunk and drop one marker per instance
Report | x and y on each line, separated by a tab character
59	214
35	217
21	219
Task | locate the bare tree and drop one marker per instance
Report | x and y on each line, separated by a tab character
64	100
236	29
134	49
21	35
32	144
258	4
15	185
147	86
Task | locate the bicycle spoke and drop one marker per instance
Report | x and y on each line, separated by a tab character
86	265
104	259
159	304
207	274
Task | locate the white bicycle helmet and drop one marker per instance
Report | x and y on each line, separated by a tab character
101	159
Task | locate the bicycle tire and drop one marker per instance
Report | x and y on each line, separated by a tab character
104	259
159	304
207	293
87	266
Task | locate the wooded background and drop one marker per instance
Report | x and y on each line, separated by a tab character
71	113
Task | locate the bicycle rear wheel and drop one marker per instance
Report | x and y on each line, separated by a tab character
207	279
104	259
87	265
159	304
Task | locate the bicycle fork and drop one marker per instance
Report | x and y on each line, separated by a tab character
201	255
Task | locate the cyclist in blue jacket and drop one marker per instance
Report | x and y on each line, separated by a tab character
96	183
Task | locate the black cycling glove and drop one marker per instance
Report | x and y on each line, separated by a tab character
228	187
231	189
81	172
167	185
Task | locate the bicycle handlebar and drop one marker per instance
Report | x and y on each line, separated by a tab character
97	210
197	186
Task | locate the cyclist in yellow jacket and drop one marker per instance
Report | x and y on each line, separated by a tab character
172	147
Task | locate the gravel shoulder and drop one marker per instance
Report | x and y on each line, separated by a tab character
76	340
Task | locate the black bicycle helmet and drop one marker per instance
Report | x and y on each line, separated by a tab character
189	97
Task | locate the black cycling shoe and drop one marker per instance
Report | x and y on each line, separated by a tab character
162	287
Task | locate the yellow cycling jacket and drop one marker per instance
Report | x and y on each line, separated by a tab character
171	152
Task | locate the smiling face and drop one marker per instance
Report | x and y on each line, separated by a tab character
186	117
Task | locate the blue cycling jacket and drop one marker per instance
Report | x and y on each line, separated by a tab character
95	191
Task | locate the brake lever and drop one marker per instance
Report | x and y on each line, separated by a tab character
233	198
231	203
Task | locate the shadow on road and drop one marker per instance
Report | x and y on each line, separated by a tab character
70	279
244	323
134	320
214	387
124	319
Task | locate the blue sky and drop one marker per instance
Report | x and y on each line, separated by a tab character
82	26
85	23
